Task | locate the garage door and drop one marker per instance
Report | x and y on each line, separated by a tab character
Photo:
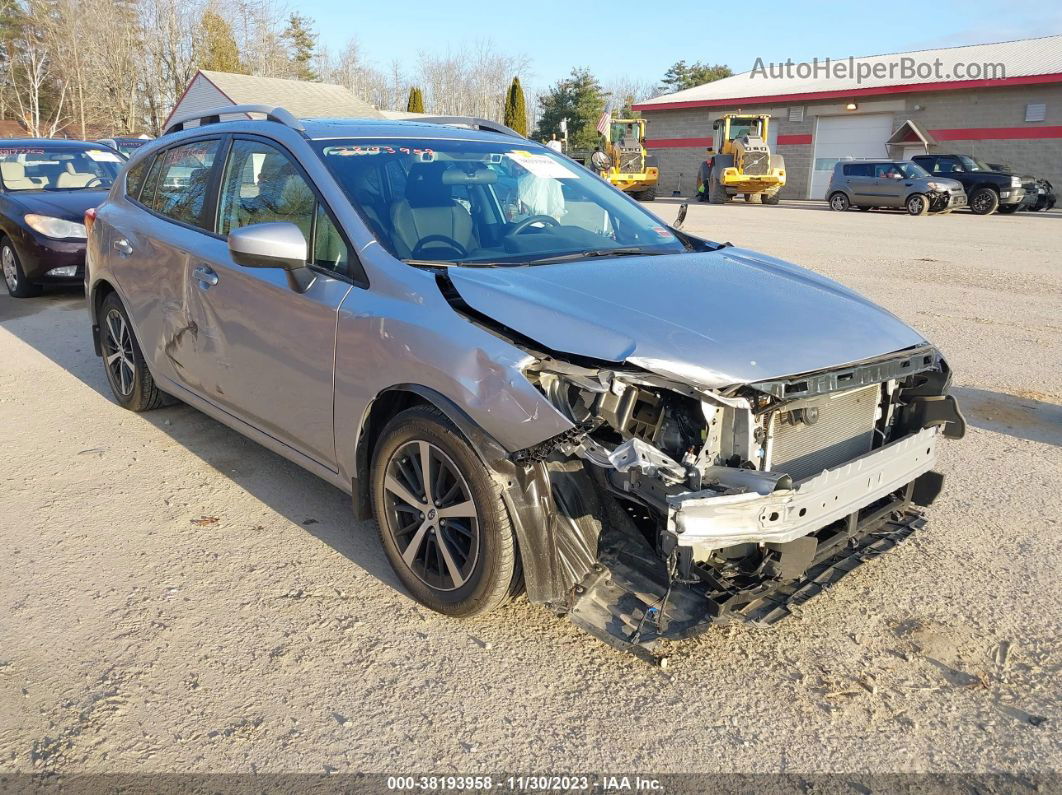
837	137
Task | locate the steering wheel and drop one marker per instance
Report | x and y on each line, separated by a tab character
548	220
93	182
418	250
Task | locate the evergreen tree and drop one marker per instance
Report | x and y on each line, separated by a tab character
682	76
217	50
516	108
301	42
415	103
579	99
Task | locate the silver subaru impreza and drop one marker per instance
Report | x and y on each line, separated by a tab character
532	383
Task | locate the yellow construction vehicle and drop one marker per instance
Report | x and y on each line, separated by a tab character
742	161
630	167
622	160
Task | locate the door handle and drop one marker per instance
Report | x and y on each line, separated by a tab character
121	245
205	276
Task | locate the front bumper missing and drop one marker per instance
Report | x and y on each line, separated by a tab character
627	602
706	520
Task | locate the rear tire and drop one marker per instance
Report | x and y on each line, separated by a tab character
984	201
839	202
465	563
917	204
647	195
14	277
127	372
769	198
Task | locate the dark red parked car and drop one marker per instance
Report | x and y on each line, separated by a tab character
45	188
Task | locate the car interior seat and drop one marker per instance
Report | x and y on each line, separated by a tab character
429	209
69	178
15	178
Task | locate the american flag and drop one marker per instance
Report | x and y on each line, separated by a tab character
604	122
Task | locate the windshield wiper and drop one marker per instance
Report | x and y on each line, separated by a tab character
436	263
599	252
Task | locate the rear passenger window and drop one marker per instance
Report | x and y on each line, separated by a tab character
262	184
859	170
182	180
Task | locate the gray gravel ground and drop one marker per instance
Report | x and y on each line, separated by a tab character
173	597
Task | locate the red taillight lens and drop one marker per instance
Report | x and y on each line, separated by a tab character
90	216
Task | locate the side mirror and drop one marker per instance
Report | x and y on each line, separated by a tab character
278	244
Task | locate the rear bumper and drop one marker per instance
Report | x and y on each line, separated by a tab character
706	520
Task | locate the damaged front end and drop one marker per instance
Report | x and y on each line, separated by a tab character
669	507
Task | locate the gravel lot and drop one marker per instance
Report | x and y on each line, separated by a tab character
175	598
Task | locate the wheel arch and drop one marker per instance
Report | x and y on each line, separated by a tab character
389	403
99	291
525	489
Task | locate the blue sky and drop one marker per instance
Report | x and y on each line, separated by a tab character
641	39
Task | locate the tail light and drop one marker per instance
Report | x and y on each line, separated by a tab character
90	217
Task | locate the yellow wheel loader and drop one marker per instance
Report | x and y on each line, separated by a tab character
742	161
623	161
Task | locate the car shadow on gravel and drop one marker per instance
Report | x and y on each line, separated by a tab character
283	487
1014	415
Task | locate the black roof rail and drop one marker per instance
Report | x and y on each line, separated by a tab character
279	115
471	122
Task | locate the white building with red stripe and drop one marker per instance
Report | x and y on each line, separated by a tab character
1000	102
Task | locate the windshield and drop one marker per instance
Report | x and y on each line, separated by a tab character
477	202
57	168
912	170
740	127
972	164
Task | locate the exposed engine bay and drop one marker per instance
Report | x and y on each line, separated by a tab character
679	507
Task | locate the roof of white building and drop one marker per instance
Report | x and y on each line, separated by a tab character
1026	61
303	99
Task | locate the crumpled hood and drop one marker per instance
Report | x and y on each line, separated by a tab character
710	319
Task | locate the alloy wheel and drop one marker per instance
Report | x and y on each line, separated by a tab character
7	260
839	202
118	353
431	515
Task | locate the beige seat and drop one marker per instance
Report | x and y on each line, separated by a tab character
73	179
15	178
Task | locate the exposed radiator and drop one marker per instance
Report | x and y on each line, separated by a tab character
823	432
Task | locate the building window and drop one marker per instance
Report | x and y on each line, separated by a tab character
796	113
1035	111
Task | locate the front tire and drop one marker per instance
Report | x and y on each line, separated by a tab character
716	191
18	286
917	204
984	201
442	522
127	372
839	202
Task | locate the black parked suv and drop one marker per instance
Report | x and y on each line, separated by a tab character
987	190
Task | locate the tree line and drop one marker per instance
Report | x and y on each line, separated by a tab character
87	68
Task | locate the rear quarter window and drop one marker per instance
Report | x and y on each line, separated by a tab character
135	178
